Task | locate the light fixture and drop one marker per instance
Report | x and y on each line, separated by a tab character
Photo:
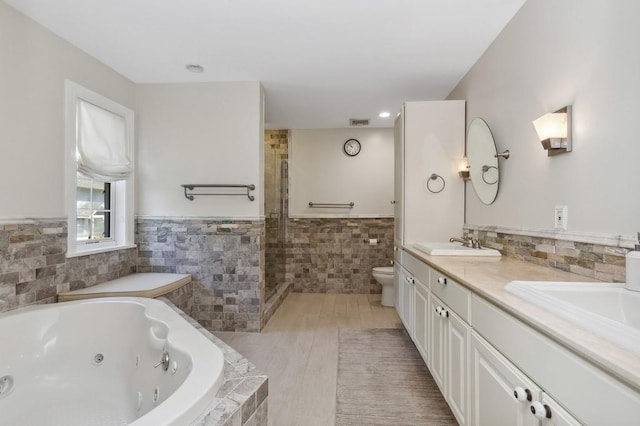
554	131
384	114
463	169
194	68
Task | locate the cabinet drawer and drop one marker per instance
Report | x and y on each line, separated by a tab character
415	267
588	393
451	293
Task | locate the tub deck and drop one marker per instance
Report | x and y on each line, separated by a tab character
148	284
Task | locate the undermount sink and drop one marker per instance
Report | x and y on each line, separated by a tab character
608	310
455	249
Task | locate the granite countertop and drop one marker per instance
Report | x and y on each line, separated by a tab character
487	277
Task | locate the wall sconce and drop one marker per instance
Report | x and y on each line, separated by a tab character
554	131
463	169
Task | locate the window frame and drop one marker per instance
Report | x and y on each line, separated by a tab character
123	190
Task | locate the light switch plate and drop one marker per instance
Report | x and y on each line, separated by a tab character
560	220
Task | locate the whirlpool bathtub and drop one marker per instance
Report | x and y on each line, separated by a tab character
111	361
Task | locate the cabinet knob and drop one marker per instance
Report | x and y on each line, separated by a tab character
442	280
522	395
444	313
438	309
393	202
540	410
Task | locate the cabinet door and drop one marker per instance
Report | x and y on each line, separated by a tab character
397	278
437	342
405	300
458	390
407	303
493	383
421	319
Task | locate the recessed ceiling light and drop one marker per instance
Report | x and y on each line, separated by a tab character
384	114
194	68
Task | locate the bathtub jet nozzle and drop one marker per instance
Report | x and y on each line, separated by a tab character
6	385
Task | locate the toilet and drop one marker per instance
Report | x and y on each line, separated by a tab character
384	276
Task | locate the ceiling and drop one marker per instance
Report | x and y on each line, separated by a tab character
320	62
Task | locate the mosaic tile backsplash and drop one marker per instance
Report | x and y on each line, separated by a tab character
333	255
601	262
34	269
224	258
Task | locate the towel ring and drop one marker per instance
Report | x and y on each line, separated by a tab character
435	176
485	169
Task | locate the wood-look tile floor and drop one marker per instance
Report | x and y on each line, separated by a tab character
298	350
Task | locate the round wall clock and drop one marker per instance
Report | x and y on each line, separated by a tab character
352	147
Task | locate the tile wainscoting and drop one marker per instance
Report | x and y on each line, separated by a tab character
330	255
225	259
34	269
597	256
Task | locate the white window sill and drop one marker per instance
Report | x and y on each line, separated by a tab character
79	253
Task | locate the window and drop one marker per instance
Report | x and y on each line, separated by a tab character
93	209
99	134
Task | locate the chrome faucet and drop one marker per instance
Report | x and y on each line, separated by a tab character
467	241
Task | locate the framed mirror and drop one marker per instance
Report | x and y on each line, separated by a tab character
483	162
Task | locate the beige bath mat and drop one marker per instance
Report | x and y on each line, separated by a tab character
382	380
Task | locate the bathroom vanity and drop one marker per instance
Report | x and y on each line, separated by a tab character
499	360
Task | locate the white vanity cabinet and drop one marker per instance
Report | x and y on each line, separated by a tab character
449	360
574	390
494	369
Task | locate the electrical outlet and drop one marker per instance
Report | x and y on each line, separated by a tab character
560	220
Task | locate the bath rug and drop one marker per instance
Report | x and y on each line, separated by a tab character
382	380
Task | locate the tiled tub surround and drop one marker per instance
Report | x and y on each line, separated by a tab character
34	269
604	262
242	398
332	255
225	259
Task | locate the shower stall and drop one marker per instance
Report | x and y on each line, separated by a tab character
276	168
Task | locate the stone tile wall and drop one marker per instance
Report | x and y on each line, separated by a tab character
330	255
226	265
182	298
604	263
34	269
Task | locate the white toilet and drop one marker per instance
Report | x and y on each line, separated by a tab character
384	276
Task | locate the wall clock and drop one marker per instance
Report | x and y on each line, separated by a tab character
352	147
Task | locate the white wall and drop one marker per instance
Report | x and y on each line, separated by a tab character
320	171
207	133
34	65
553	53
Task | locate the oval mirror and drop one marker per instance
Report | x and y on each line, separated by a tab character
483	163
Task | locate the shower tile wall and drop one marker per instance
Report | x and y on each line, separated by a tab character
34	269
604	263
331	256
225	259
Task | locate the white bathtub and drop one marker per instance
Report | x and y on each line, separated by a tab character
91	362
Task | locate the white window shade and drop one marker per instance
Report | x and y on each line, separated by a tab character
102	144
